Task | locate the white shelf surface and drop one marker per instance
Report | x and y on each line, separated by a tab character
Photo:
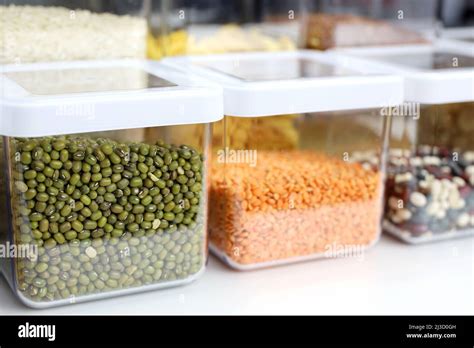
390	279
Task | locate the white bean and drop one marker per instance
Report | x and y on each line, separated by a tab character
418	199
459	181
463	220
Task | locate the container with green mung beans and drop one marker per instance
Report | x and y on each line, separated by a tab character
87	212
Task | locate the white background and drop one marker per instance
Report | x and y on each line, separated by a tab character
391	278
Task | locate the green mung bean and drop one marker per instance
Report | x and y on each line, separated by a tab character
124	199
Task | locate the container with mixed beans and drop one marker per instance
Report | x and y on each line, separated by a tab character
430	184
320	194
430	181
94	214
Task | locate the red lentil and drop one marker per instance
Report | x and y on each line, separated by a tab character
293	203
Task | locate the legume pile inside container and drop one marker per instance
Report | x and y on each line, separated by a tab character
99	216
430	184
280	202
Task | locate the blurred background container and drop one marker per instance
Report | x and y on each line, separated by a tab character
46	30
36	31
201	27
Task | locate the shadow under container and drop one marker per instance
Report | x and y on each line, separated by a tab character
430	183
90	213
319	195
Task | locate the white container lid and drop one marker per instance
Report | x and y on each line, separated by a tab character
90	96
434	74
279	83
464	34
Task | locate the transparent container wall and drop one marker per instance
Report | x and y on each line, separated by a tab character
430	185
349	23
98	216
4	237
39	31
295	187
205	27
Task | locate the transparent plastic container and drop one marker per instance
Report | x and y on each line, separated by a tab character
430	183
92	213
41	31
207	27
316	189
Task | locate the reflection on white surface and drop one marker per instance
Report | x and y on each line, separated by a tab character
392	278
79	80
431	60
280	68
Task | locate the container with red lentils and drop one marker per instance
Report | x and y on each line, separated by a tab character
430	181
298	173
